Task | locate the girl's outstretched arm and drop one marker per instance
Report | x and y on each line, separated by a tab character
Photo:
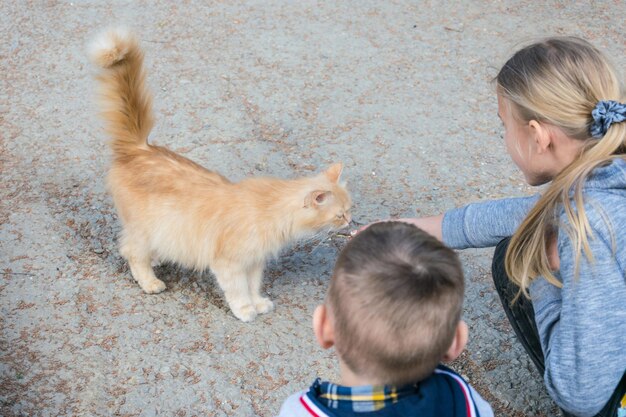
484	224
475	225
430	224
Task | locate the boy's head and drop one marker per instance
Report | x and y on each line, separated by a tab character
394	305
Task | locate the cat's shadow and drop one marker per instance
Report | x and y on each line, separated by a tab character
197	287
201	288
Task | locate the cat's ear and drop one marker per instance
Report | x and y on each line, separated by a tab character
334	172
317	198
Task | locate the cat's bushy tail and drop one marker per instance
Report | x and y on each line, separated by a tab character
127	104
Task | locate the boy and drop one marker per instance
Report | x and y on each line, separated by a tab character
393	312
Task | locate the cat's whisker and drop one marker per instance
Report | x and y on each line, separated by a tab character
307	240
323	236
317	246
319	234
316	238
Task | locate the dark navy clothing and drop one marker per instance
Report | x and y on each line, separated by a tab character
443	394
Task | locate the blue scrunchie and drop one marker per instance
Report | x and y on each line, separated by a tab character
604	114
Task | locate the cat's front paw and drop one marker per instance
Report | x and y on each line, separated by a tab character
154	286
246	313
263	305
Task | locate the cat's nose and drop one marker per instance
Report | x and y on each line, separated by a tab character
347	217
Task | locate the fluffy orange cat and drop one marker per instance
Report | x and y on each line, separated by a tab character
173	209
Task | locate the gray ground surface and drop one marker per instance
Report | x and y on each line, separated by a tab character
399	91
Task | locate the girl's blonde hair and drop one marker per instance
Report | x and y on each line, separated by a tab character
559	81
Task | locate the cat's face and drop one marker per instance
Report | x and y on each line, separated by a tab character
328	204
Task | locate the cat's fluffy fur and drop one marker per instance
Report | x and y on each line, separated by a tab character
175	210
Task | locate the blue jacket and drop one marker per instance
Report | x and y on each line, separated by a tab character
443	394
582	326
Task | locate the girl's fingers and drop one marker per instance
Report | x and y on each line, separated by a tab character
360	229
357	231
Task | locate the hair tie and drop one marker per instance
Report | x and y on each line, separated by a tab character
604	114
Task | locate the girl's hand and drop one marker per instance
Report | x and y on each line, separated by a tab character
360	229
553	253
431	225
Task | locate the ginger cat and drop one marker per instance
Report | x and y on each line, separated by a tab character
173	209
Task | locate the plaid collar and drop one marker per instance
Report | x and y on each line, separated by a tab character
359	399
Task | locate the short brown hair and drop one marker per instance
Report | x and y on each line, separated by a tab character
396	296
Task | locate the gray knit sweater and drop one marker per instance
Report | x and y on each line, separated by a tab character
582	326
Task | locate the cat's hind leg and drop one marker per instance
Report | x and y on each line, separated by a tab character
232	280
255	279
135	250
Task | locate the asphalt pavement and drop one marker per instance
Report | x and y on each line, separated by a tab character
401	92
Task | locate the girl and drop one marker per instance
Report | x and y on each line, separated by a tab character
564	110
